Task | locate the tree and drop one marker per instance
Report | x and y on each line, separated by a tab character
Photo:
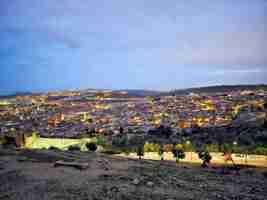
100	141
91	146
121	130
178	152
261	150
205	157
140	152
119	141
155	147
161	152
227	148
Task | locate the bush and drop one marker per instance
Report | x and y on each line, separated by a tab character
261	151
148	147
100	141
205	157
151	147
54	148
111	151
119	141
91	146
74	148
178	152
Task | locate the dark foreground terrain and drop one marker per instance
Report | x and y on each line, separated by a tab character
30	175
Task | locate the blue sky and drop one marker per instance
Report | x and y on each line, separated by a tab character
151	44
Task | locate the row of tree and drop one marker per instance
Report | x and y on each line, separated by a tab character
177	150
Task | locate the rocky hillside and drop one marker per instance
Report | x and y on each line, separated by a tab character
30	175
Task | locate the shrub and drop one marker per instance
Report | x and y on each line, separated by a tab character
111	151
91	146
119	141
151	147
100	141
54	148
148	147
205	157
74	148
178	152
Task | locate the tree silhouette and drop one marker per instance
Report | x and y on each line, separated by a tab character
178	153
161	152
91	146
140	152
205	157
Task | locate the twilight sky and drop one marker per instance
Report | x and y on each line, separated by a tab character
119	44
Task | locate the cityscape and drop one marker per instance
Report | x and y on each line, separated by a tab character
133	100
76	114
178	125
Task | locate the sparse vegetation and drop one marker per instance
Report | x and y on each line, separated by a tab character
111	151
178	152
205	157
91	146
54	148
113	178
74	148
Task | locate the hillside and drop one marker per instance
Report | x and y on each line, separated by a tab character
143	93
32	175
219	89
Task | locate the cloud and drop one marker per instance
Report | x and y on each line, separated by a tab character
239	71
227	48
45	35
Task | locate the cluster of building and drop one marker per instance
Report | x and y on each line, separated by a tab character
76	114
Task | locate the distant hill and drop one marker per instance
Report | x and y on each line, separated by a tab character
141	93
17	94
219	89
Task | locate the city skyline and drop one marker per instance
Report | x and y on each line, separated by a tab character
131	45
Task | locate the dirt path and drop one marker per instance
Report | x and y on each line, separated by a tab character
217	158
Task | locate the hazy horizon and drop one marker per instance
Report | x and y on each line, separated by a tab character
151	45
119	89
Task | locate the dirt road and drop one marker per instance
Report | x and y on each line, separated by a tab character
217	158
